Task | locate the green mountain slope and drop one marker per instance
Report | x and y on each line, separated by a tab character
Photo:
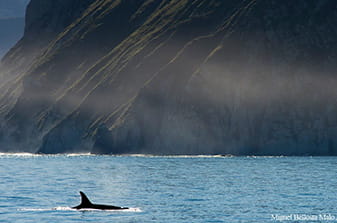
172	77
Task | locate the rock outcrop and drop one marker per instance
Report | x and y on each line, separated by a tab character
248	77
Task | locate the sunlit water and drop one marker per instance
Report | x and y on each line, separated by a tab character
166	189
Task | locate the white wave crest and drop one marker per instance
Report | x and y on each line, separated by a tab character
47	209
19	154
71	209
41	155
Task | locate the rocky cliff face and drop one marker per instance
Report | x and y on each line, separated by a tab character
173	77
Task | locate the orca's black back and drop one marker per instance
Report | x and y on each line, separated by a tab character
86	203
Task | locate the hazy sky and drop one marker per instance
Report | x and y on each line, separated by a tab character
12	14
12	8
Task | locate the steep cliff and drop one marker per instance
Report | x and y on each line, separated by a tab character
173	77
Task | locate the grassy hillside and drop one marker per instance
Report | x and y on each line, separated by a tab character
173	77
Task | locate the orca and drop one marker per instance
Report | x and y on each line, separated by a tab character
86	204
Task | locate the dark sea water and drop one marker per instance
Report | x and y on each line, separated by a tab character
168	189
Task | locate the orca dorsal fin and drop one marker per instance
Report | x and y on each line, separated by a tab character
85	202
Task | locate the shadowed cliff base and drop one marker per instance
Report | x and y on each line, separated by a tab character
248	77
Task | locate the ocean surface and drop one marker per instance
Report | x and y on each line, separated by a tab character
41	188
